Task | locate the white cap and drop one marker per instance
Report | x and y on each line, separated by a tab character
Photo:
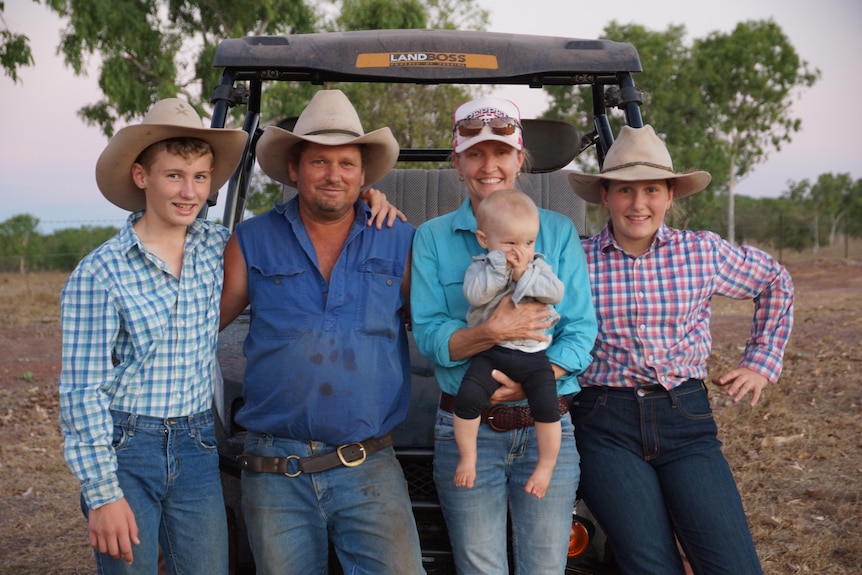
488	108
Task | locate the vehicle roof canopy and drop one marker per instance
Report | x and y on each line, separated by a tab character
427	57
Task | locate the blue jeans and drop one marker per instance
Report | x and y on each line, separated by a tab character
168	471
652	467
476	518
364	510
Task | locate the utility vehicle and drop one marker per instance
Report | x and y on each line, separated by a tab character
419	57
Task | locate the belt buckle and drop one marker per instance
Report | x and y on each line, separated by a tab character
299	469
491	415
356	462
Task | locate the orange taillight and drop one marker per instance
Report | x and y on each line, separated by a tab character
579	538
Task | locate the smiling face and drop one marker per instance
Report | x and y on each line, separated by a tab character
328	179
487	167
176	185
637	211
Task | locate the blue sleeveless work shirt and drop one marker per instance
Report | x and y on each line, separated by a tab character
325	362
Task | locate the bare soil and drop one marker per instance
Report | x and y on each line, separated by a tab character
797	455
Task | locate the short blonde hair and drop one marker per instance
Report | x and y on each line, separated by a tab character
506	203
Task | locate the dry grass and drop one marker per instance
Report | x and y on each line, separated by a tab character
797	456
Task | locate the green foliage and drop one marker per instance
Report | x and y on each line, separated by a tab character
417	115
161	48
23	248
14	49
746	80
830	207
63	249
382	15
19	239
721	105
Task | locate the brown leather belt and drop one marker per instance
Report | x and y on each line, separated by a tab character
503	417
348	455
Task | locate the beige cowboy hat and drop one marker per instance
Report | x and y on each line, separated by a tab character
168	118
637	154
331	120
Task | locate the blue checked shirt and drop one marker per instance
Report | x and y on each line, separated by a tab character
135	339
654	310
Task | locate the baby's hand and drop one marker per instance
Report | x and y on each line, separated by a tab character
517	261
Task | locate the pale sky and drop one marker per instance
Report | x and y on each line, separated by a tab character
48	155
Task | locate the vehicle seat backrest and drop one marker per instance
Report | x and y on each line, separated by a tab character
426	194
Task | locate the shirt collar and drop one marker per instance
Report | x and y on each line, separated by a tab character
290	211
464	219
606	240
128	237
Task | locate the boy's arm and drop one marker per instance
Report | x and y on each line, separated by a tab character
90	324
381	210
234	296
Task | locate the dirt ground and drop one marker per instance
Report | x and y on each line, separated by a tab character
797	456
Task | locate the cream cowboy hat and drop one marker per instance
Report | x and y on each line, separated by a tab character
331	120
637	154
168	118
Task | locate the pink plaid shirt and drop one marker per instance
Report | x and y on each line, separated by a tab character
653	310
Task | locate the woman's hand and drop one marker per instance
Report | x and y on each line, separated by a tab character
381	210
508	322
527	320
740	381
509	389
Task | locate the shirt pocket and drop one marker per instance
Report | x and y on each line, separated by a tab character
452	280
276	293
380	299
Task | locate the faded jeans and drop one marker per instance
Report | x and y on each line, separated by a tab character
476	518
168	471
365	511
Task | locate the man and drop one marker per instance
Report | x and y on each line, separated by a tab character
328	372
140	321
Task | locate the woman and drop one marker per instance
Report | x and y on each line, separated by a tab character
651	463
488	154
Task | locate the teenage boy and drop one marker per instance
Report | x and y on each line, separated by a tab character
140	318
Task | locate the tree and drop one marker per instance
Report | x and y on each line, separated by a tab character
14	49
670	105
747	81
661	54
19	238
162	48
833	196
63	249
414	113
721	105
834	200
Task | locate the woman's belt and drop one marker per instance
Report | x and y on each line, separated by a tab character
503	417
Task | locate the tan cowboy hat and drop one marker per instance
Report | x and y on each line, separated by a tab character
637	154
168	118
331	120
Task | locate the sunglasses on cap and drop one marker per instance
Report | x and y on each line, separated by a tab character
500	126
